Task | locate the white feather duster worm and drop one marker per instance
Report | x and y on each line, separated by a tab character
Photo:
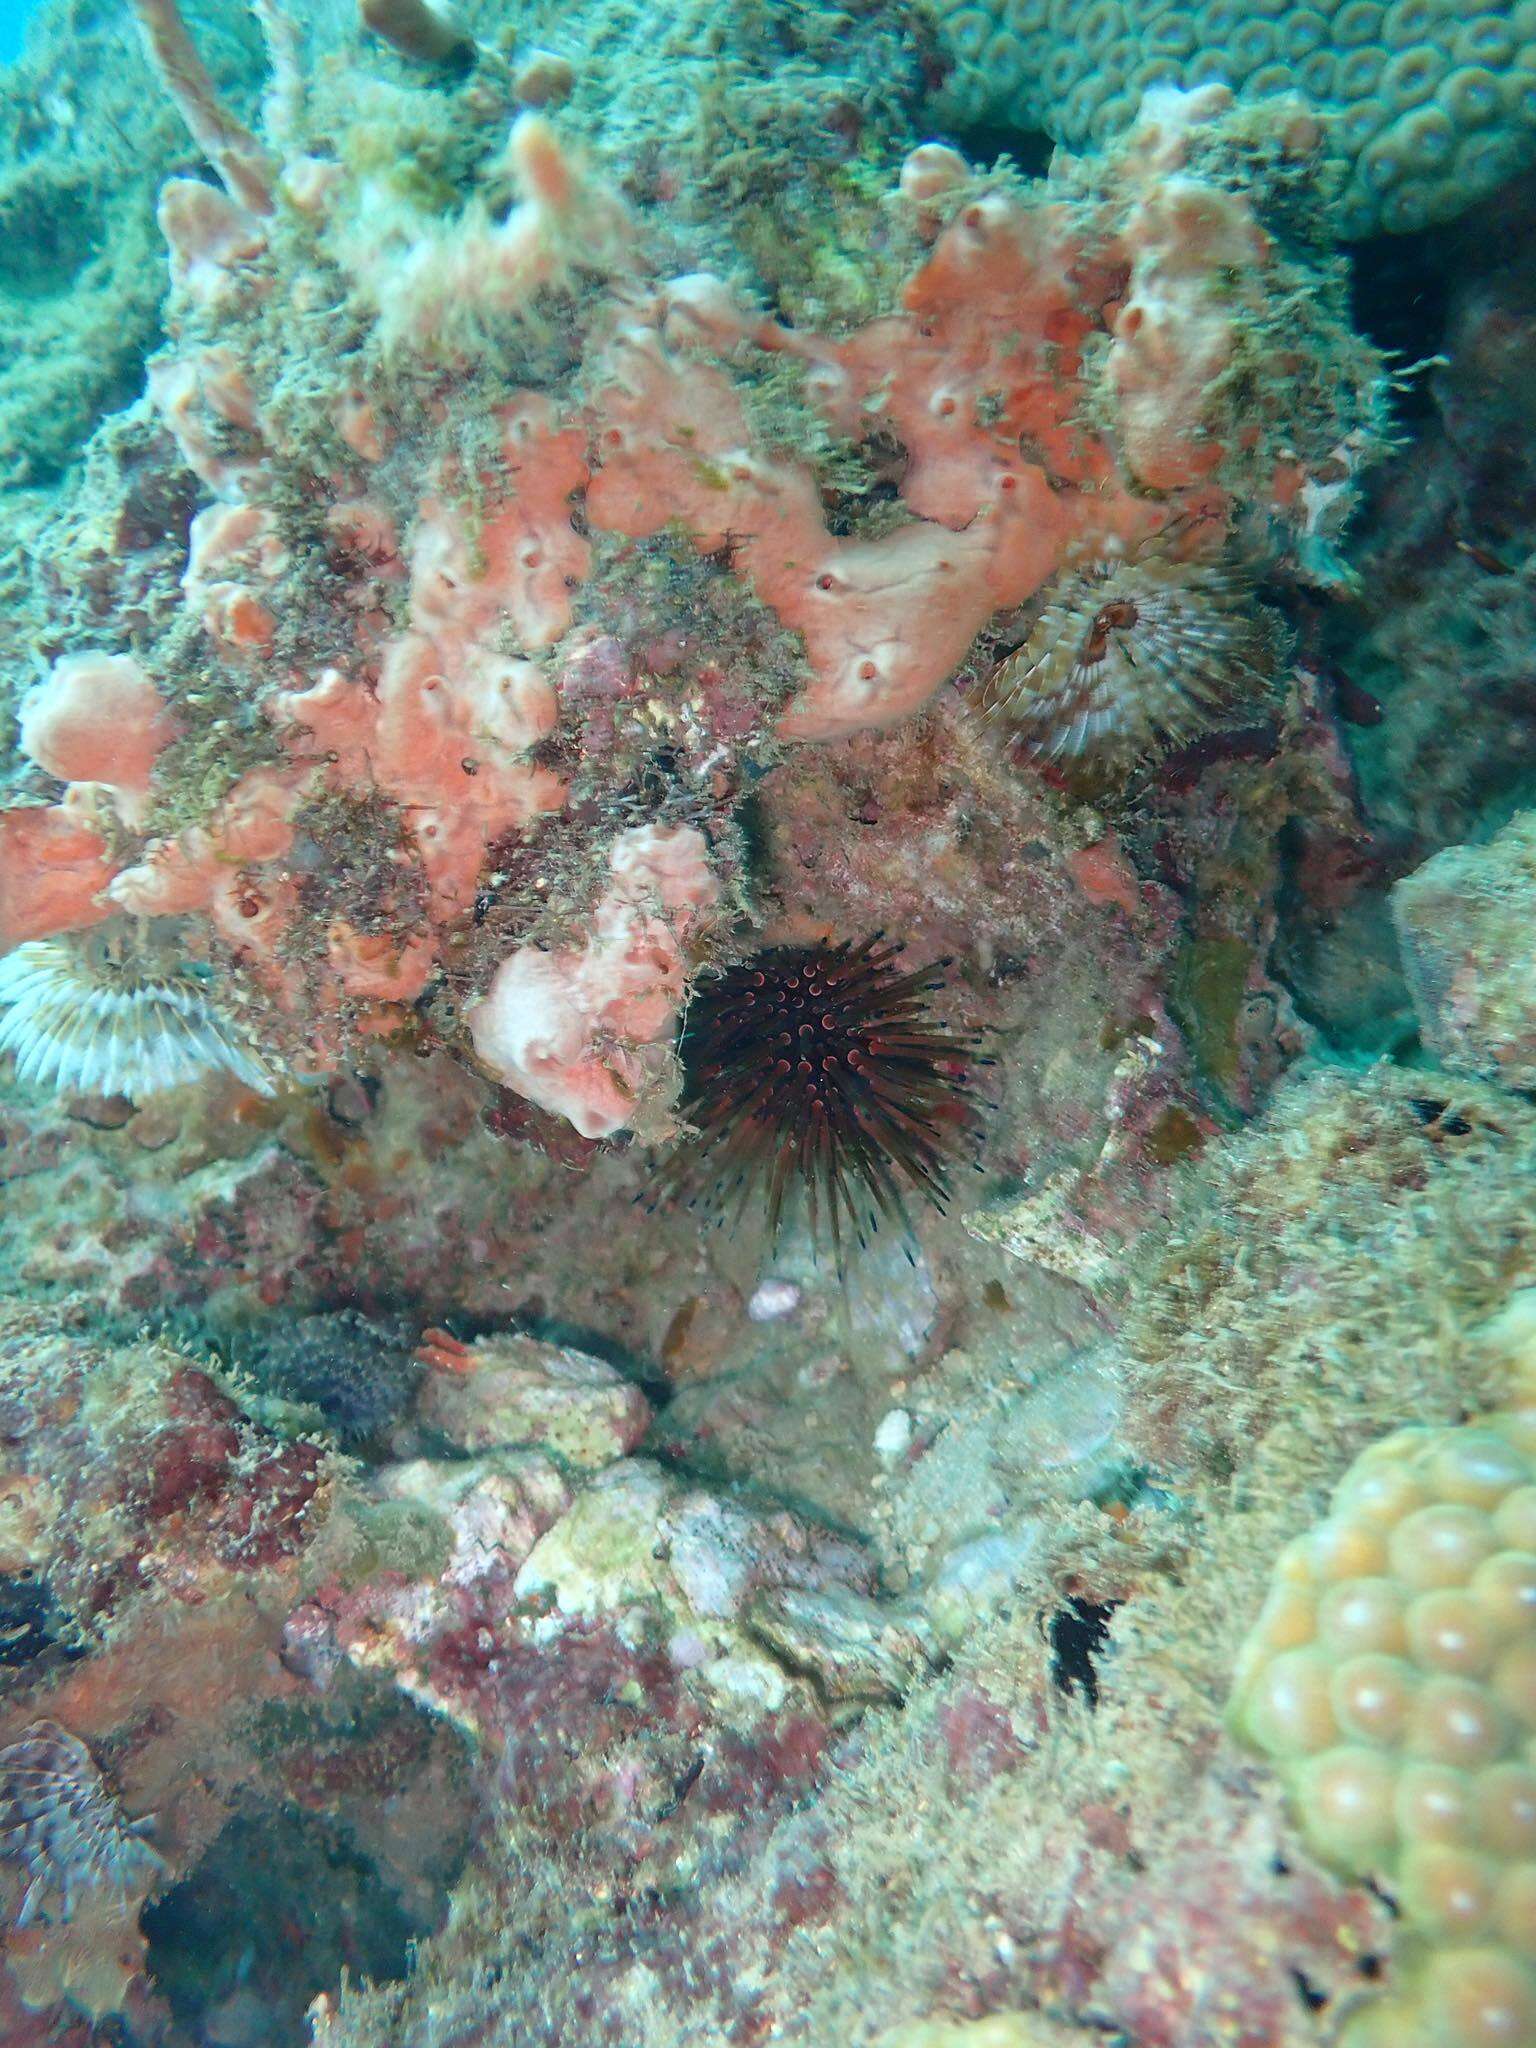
101	1021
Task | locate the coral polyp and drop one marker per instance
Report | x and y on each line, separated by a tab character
1131	659
103	1018
821	1070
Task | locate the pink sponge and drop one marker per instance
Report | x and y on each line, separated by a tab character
97	718
52	869
585	1032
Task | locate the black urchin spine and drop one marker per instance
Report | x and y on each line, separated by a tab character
823	1069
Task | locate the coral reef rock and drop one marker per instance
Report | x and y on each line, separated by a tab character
767	1261
1466	933
457	799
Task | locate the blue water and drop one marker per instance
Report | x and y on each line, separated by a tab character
14	16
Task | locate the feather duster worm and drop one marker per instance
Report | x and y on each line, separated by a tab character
102	1017
61	1824
1131	659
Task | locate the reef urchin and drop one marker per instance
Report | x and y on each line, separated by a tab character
1130	659
108	1016
822	1069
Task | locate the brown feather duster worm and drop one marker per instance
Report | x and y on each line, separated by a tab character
1131	659
61	1825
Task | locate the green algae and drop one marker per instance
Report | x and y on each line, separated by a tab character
86	140
1210	980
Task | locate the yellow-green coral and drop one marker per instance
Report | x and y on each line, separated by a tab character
1432	104
1392	1681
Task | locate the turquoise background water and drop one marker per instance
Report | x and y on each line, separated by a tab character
14	16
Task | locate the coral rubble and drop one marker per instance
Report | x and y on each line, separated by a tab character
1117	1854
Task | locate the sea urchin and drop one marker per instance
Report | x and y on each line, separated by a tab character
821	1068
1130	659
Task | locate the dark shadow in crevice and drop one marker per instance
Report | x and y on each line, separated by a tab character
1079	1633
